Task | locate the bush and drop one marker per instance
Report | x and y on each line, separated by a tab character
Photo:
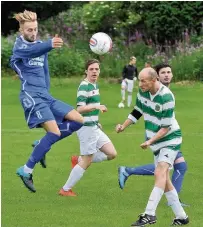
66	62
6	51
70	61
188	66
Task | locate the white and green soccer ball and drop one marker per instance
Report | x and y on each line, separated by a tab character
100	43
121	105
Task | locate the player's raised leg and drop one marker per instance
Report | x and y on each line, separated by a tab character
124	172
72	122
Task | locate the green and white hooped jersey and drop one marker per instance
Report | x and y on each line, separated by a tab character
87	94
158	112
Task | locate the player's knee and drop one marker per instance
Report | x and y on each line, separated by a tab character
181	167
74	115
86	161
58	133
80	119
112	155
75	126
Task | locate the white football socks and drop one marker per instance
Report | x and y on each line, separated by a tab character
123	94
129	100
99	157
154	200
75	175
174	203
27	169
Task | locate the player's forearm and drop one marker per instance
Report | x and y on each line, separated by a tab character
132	118
161	133
127	123
35	50
87	108
46	72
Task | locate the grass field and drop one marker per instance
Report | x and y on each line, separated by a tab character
100	202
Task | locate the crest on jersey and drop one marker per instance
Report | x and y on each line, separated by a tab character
157	108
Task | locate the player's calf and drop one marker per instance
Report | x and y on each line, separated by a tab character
43	160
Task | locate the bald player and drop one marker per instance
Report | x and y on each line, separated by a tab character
157	103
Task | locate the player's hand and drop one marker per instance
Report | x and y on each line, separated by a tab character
102	108
57	42
119	128
145	145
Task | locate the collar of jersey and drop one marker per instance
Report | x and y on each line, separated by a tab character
160	89
89	82
27	41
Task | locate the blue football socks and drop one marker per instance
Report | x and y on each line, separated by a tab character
178	175
68	127
42	148
141	170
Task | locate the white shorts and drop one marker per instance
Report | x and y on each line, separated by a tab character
91	139
128	85
166	155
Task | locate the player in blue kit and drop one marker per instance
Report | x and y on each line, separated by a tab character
180	166
30	61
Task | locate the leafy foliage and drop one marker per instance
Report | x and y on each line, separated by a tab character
168	20
109	17
6	51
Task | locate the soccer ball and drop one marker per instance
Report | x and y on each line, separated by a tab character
100	43
121	105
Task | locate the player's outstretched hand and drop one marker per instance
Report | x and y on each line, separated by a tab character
103	108
57	42
119	128
145	145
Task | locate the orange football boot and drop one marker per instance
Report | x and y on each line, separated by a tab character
67	193
74	161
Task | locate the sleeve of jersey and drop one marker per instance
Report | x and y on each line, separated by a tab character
46	71
82	95
167	111
124	72
136	73
137	112
23	50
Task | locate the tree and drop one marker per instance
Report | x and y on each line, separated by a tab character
44	10
168	20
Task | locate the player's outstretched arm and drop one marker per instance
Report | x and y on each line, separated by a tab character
121	127
23	50
161	133
92	107
132	119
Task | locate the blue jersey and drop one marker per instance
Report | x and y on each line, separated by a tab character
30	62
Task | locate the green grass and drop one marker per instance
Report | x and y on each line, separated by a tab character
100	202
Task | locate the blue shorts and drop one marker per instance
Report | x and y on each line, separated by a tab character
42	107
